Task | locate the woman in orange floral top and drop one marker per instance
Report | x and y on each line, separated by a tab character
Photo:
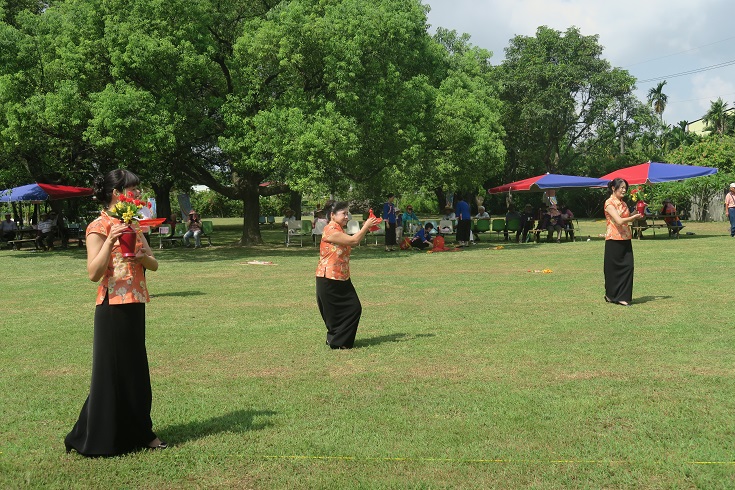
335	295
618	246
116	417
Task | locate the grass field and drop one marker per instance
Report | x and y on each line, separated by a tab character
469	371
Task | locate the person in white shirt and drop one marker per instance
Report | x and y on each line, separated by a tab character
481	213
45	236
8	228
288	217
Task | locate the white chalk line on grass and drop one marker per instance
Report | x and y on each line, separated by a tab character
455	460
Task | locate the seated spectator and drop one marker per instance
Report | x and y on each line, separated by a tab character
319	218
193	228
422	238
171	222
45	233
639	225
409	215
554	223
8	228
672	220
567	224
481	213
528	220
449	214
512	214
288	217
409	221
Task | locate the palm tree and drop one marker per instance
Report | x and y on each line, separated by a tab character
716	117
657	99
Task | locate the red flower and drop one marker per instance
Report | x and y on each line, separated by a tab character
130	195
149	205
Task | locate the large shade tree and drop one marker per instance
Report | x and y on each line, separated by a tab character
558	92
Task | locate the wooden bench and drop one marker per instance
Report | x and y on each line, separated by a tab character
17	243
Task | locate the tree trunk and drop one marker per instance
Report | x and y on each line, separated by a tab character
441	199
163	199
294	202
251	212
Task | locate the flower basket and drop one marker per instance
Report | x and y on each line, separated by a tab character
127	242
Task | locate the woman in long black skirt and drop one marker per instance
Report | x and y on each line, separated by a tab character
618	265
116	417
335	295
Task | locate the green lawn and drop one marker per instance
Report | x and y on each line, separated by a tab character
468	372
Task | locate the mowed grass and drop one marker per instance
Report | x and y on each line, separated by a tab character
469	371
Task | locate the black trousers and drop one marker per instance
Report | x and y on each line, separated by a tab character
619	270
463	230
116	417
390	234
340	309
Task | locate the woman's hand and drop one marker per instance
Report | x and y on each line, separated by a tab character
115	232
370	222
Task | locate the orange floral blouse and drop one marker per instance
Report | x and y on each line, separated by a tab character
334	260
617	232
124	281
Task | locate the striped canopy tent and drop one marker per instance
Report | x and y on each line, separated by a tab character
654	172
548	181
43	192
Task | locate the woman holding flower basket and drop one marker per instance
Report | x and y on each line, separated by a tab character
115	418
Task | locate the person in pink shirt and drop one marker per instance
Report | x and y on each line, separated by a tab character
116	417
730	208
618	263
335	295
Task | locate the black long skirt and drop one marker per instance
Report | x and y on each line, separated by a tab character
619	270
390	234
463	230
116	417
340	309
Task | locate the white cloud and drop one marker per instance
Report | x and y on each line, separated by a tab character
649	38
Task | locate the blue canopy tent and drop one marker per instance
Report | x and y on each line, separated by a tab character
42	192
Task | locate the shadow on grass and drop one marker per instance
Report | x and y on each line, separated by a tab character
237	421
646	299
178	293
394	337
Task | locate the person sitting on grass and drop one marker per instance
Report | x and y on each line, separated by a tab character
422	238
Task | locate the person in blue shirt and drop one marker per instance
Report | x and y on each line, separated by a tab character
389	216
422	238
464	222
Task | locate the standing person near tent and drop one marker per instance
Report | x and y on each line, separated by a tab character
464	222
335	295
389	216
116	417
618	265
730	208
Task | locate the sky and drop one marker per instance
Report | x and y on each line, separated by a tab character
648	38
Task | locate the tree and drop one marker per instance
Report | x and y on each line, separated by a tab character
716	118
558	91
714	151
658	99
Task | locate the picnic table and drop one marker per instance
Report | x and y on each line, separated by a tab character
653	222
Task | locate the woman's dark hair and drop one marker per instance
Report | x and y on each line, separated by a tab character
429	226
338	206
615	184
119	180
